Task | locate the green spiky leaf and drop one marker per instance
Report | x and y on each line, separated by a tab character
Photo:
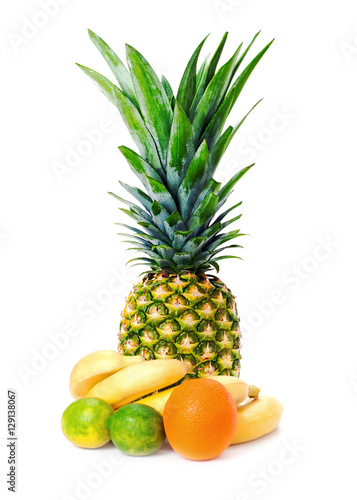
153	100
187	87
160	193
118	69
227	188
180	148
139	195
207	75
130	115
213	96
212	186
203	213
140	167
192	182
167	87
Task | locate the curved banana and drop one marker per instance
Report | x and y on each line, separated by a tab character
257	418
239	390
138	380
95	367
237	387
157	401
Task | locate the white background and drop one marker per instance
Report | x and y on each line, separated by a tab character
59	249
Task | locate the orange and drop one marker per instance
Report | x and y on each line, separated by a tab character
200	419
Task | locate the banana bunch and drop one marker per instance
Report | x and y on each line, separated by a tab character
120	379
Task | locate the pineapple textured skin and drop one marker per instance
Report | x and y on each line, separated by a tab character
183	316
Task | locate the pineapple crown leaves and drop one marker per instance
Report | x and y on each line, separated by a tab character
181	140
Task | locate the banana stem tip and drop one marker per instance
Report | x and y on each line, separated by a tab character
253	391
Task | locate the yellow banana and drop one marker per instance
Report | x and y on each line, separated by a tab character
95	367
138	380
239	389
257	418
157	401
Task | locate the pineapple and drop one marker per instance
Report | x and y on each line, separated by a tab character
178	310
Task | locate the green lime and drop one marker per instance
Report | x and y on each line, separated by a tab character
85	421
137	429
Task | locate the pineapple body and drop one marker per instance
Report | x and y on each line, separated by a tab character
184	316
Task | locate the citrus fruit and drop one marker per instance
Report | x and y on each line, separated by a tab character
200	419
137	429
85	421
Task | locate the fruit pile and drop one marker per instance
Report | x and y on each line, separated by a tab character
136	404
